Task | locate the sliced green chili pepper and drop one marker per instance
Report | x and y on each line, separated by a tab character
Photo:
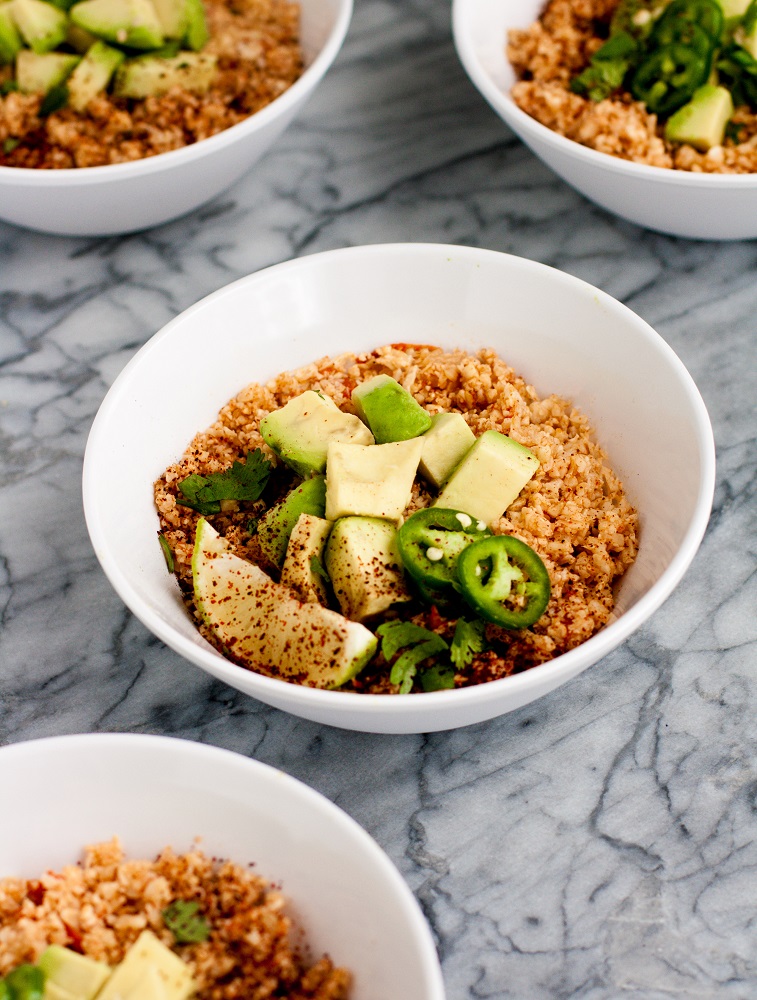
668	77
27	982
706	15
431	540
504	581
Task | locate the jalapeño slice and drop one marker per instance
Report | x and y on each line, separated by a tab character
504	581
705	14
430	542
668	77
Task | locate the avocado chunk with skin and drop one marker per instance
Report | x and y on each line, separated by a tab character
152	76
276	525
301	431
73	973
444	446
197	27
133	23
489	478
701	122
371	480
36	73
265	628
365	567
10	39
389	409
306	544
93	74
41	25
149	953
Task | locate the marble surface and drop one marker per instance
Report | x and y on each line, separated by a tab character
600	843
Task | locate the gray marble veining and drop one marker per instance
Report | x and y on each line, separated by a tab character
600	843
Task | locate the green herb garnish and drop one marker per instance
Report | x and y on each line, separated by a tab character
167	553
243	481
420	643
185	922
27	982
55	99
10	144
317	568
467	641
8	87
437	678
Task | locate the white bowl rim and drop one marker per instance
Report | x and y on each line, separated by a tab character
520	121
391	704
76	176
52	745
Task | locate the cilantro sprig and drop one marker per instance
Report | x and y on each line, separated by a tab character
244	481
186	923
418	643
469	639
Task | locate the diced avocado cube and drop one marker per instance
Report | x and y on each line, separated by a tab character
489	478
301	431
173	17
304	555
10	39
389	410
197	26
75	974
36	73
151	76
54	992
365	567
149	987
42	25
746	33
148	952
277	524
701	122
133	23
444	445
733	10
266	628
93	74
371	480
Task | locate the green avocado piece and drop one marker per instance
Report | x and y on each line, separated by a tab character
93	74
133	23
151	76
267	629
365	567
303	557
173	17
276	525
41	25
733	10
701	122
489	478
147	956
10	39
389	410
371	480
444	445
36	73
197	26
75	974
300	432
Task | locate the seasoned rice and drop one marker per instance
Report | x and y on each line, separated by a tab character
546	55
574	512
101	906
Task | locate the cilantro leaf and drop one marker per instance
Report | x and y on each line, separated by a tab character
420	643
317	568
243	481
468	640
167	553
185	923
437	678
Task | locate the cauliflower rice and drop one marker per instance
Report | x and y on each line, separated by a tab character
574	512
546	55
101	906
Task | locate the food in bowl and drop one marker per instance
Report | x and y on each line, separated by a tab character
402	520
172	927
667	83
111	81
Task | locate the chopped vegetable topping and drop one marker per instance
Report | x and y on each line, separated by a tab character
317	567
27	982
185	922
421	645
244	481
430	542
467	641
504	581
167	553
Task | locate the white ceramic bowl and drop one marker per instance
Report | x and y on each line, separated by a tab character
125	197
701	206
153	791
562	334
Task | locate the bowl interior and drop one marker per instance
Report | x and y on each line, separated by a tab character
153	791
563	335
